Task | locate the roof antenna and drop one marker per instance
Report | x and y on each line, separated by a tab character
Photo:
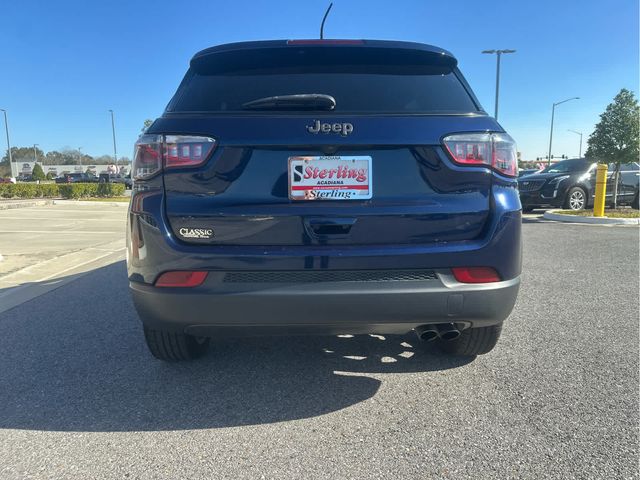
323	19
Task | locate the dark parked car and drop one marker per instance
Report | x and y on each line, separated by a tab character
571	184
116	178
323	186
628	186
528	171
77	178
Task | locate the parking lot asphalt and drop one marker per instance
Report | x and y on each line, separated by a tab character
80	397
44	246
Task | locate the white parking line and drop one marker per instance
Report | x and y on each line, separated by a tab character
79	265
58	232
11	297
2	217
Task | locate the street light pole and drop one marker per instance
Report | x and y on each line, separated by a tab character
578	133
498	55
6	129
553	112
80	157
35	153
495	108
113	132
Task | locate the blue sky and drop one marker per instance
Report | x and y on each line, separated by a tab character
65	63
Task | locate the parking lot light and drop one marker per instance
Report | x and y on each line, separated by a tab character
113	133
553	112
6	129
498	55
578	133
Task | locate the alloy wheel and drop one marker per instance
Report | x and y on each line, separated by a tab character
576	200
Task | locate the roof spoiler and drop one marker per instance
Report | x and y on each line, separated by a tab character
301	53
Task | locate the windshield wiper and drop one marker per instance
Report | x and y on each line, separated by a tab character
304	101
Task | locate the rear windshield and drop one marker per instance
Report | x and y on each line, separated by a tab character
374	89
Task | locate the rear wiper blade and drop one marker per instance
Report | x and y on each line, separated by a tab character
304	101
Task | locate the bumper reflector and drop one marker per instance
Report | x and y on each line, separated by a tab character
181	279
475	274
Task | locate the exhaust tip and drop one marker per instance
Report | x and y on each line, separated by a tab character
450	335
427	333
448	331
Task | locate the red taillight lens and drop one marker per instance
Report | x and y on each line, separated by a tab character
181	279
147	156
187	151
496	150
174	151
475	274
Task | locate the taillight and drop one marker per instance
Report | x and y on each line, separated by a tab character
187	151
181	279
147	156
475	274
152	152
495	150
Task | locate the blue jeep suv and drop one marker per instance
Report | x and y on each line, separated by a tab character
323	186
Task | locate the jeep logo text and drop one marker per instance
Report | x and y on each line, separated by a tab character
343	129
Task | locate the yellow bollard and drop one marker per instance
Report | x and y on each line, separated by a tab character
601	190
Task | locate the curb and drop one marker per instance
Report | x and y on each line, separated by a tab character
35	203
85	202
552	215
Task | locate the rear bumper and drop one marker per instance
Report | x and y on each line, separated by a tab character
324	308
152	248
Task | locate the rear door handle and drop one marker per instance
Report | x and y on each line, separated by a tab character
329	227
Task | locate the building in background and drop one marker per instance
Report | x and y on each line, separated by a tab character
25	168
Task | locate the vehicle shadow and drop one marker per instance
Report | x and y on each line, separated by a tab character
74	360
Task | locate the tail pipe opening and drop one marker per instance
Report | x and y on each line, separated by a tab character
427	333
448	331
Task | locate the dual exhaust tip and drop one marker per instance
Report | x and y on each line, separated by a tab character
444	331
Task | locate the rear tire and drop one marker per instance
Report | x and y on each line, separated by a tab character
473	341
636	202
527	209
174	346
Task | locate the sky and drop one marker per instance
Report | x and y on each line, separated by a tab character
64	64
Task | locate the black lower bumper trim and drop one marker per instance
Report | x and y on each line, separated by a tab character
340	307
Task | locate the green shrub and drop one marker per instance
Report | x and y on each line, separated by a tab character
81	190
64	190
78	190
48	190
111	189
28	190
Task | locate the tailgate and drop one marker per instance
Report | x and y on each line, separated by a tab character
244	194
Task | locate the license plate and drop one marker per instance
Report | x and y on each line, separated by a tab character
330	178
